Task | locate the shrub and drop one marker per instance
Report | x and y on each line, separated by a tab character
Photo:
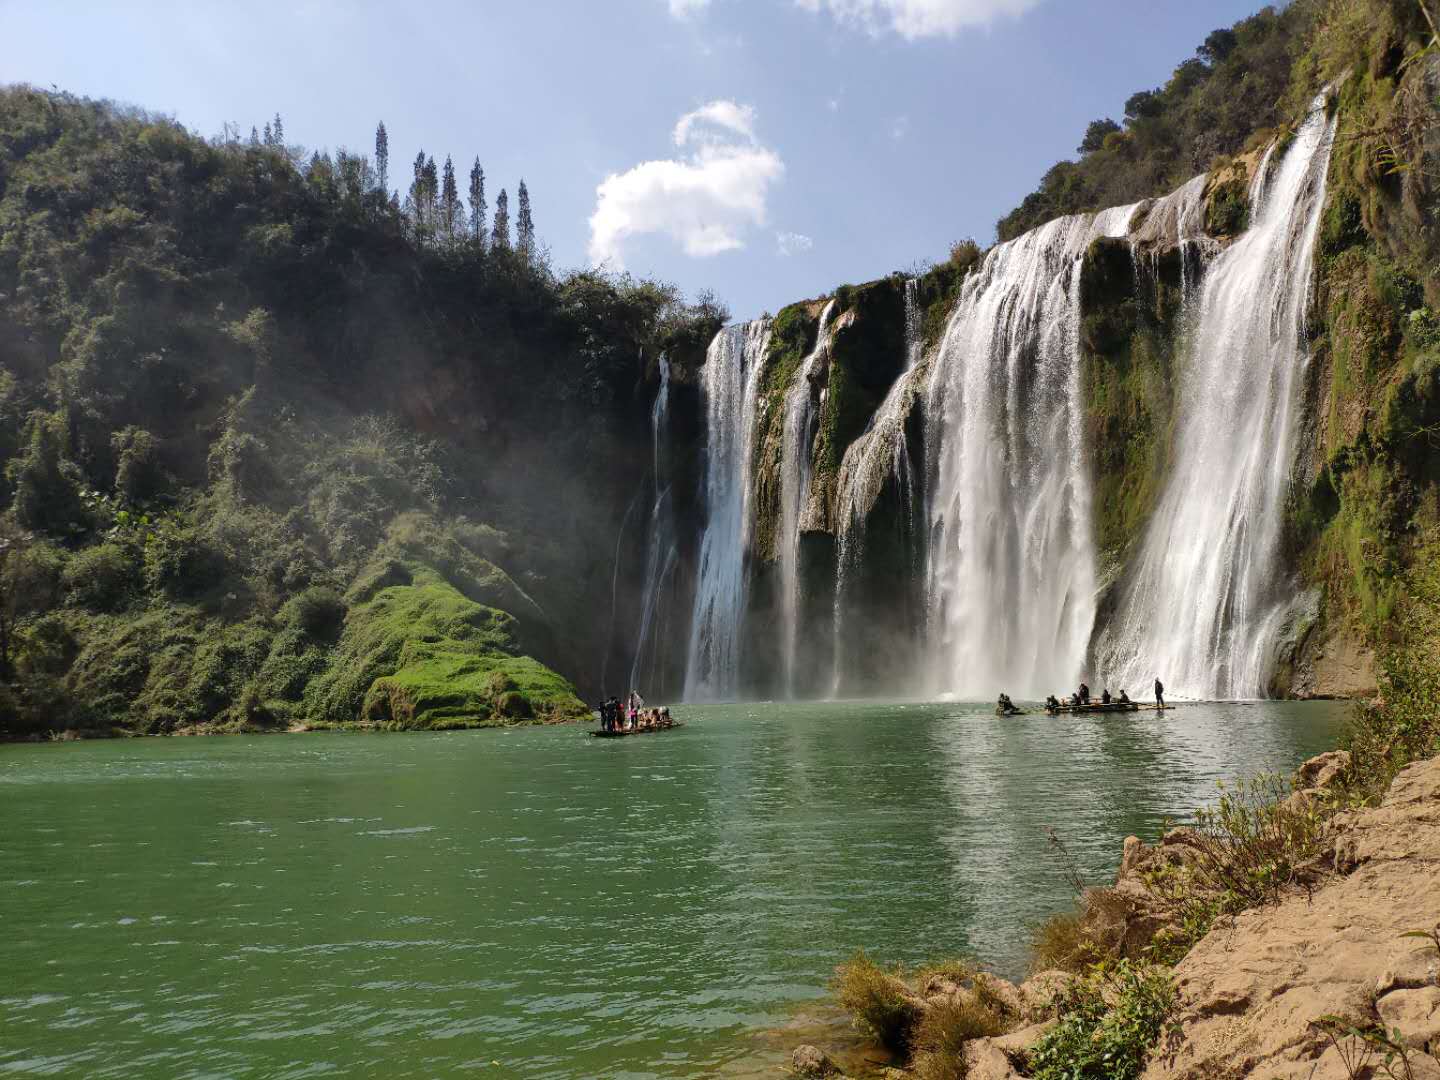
47	484
138	477
1252	841
1062	942
318	612
877	1000
1108	1023
101	578
946	1027
965	254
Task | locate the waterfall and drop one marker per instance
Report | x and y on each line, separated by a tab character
802	414
661	548
730	382
880	456
1012	576
1207	595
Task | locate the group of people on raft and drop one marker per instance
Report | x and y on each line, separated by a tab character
1006	707
632	715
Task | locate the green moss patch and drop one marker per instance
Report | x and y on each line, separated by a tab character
423	655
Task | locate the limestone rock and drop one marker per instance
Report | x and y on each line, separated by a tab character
986	1061
810	1061
1323	770
1415	1014
1248	992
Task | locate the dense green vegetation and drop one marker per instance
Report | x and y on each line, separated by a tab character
1234	92
268	437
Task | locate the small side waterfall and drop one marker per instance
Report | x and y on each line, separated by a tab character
1204	602
880	457
1012	575
661	548
730	385
802	414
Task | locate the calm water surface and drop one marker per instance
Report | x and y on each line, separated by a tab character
538	903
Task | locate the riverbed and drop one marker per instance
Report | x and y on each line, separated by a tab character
537	903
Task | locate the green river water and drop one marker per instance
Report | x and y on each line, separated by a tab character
538	903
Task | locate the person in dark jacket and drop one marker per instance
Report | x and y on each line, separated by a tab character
1159	694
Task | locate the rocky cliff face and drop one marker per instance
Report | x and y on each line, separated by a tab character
1364	476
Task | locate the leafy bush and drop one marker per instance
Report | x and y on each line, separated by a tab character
47	484
317	612
877	1000
1251	843
1109	1021
101	578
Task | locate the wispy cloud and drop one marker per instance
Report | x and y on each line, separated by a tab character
914	19
683	9
899	127
792	243
706	200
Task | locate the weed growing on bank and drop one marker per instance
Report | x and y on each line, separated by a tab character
877	1000
942	1033
1109	1020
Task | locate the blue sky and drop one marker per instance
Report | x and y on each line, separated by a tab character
767	149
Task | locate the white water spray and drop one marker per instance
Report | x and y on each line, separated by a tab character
802	414
1204	603
661	548
730	384
1012	564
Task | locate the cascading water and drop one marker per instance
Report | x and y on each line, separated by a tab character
661	548
880	457
730	383
1208	595
1012	565
802	413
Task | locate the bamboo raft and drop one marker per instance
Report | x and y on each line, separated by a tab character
1111	707
619	734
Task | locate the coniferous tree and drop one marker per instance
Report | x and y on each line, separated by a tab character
254	136
477	205
524	224
500	237
279	132
382	159
452	212
416	201
268	139
432	195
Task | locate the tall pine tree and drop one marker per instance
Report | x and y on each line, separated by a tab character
477	205
278	131
432	195
382	159
524	224
417	201
452	212
500	237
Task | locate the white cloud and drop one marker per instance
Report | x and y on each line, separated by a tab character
913	19
705	200
700	126
899	127
792	243
683	9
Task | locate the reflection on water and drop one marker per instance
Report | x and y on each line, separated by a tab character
425	905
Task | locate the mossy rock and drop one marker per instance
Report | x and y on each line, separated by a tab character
426	656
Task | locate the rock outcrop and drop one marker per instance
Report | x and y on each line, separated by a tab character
1250	991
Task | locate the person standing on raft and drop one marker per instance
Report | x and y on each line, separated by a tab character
1159	693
